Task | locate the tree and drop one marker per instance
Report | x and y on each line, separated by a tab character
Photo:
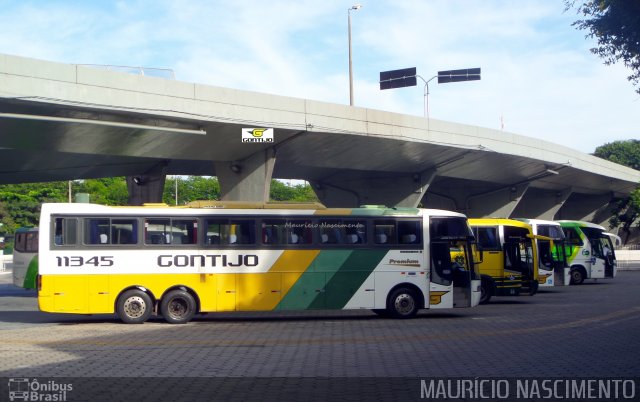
625	153
190	188
627	210
616	26
20	203
105	191
298	193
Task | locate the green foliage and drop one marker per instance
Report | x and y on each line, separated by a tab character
627	210
190	188
625	153
616	26
20	203
299	193
105	191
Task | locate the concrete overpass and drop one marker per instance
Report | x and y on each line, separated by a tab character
62	121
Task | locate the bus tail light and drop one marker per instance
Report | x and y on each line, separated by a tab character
39	282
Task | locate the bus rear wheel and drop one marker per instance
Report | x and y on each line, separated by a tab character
134	306
178	307
402	303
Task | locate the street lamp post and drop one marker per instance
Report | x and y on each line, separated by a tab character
354	7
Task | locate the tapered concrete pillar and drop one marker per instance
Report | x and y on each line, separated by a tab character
541	204
145	188
248	179
393	190
590	208
498	203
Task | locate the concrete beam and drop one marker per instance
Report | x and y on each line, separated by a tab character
248	179
393	190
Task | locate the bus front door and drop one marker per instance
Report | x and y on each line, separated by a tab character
451	275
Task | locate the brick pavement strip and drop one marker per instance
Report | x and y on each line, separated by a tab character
592	330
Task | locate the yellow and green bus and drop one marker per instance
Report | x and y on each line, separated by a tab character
591	252
509	257
232	256
553	268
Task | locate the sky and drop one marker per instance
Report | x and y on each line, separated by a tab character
539	78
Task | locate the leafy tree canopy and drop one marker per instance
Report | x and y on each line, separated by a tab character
20	203
627	211
625	153
616	26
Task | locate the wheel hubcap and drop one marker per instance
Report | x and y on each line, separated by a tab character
178	307
404	304
135	307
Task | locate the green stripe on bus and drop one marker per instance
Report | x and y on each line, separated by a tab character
341	286
31	274
312	282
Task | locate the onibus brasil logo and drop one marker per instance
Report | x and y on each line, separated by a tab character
257	135
25	389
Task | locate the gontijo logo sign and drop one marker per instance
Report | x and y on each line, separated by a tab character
257	135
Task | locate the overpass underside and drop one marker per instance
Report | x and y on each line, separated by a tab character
65	122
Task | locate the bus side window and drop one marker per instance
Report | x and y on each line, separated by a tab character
410	232
356	232
96	231
384	231
65	231
487	237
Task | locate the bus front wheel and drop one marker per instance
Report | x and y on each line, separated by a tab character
134	306
576	276
402	303
486	290
178	307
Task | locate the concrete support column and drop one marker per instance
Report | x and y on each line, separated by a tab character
248	179
147	187
393	190
590	208
498	203
541	204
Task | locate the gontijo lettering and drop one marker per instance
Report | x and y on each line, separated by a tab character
208	260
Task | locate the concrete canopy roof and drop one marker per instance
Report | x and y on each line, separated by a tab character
60	122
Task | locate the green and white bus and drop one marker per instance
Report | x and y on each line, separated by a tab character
553	269
591	254
233	256
25	257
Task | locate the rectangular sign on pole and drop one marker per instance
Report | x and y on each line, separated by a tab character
466	74
405	77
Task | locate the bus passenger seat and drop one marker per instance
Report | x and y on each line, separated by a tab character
409	238
381	238
352	238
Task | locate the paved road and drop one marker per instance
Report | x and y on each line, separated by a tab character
592	330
